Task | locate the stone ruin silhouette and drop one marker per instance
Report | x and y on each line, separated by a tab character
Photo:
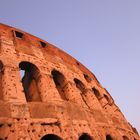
45	94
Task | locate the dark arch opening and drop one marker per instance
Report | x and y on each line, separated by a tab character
79	84
19	35
88	79
107	98
96	92
85	137
108	137
1	75
43	44
60	82
50	137
29	79
125	138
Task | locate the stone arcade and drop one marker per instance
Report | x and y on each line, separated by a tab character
55	97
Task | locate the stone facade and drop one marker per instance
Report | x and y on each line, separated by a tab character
45	94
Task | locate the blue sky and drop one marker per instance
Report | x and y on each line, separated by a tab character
102	34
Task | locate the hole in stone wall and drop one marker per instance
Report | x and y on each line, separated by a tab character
19	34
125	138
60	82
96	92
77	63
79	84
18	119
29	78
108	137
1	124
1	77
107	98
88	79
85	137
43	44
9	125
50	137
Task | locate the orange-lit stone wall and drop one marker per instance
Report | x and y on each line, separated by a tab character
45	94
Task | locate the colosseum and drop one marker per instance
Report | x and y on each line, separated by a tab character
45	94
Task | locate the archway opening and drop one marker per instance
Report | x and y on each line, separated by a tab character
50	137
96	92
79	84
29	77
108	137
87	78
85	137
60	82
1	75
107	98
125	138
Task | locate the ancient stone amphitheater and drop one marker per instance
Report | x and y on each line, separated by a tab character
45	94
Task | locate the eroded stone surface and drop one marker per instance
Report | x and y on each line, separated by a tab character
56	98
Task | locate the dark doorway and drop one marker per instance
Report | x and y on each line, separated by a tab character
60	82
79	84
50	137
108	137
85	137
125	138
88	79
29	79
96	92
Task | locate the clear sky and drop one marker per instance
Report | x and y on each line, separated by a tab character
102	34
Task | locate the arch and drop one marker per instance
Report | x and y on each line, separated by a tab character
51	137
85	137
30	81
125	138
87	78
43	44
107	98
60	82
108	137
1	75
79	84
96	92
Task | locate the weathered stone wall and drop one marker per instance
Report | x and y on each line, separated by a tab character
57	98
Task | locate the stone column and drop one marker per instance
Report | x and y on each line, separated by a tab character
12	87
73	94
47	88
91	100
